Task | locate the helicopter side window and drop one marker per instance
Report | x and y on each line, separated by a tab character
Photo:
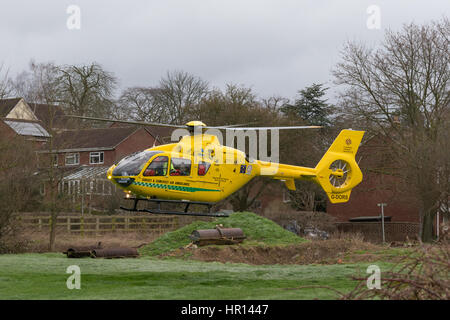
203	168
158	167
180	167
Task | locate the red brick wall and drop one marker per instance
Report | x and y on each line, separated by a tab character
138	141
377	188
365	197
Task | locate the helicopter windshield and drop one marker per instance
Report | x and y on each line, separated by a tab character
133	164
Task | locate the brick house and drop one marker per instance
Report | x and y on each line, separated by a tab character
98	147
380	186
82	157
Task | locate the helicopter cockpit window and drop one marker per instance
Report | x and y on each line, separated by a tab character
203	168
158	167
180	167
133	164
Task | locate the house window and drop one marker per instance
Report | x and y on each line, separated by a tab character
96	157
55	160
72	159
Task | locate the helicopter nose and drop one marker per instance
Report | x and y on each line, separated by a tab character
124	182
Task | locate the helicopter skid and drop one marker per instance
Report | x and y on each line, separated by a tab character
170	212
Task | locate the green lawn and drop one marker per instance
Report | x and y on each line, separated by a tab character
43	276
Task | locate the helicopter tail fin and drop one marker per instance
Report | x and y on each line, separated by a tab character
338	172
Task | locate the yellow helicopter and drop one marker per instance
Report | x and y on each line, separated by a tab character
200	170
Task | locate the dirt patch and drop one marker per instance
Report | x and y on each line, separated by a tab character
38	241
321	252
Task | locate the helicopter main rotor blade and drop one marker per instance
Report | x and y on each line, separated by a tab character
227	127
156	124
275	128
142	123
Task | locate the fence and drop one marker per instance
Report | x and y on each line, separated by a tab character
102	224
371	231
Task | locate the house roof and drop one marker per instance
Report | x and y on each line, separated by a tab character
27	128
85	172
162	134
6	105
45	112
86	139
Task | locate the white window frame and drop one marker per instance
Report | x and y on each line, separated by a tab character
77	158
101	157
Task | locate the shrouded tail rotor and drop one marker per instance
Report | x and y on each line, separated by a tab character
340	173
337	171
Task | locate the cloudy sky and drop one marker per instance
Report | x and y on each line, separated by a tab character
277	46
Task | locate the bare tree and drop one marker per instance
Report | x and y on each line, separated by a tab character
179	91
17	186
142	104
38	84
86	90
245	197
401	91
52	175
5	82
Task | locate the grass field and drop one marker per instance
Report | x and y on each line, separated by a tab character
43	276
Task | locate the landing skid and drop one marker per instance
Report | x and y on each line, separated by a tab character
169	212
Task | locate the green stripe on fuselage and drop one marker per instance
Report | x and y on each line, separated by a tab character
172	187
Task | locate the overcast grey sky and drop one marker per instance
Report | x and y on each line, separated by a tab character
277	47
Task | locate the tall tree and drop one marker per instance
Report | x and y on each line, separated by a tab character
86	90
401	91
179	91
142	104
311	106
38	84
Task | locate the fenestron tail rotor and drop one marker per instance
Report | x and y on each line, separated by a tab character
337	171
340	173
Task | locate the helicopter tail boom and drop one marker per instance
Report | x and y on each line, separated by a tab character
337	172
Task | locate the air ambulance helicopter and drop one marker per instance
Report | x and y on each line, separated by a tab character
200	170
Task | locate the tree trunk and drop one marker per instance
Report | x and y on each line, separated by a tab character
53	218
427	227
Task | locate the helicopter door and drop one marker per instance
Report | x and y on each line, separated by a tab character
179	173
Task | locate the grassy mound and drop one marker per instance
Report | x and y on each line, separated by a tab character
259	231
